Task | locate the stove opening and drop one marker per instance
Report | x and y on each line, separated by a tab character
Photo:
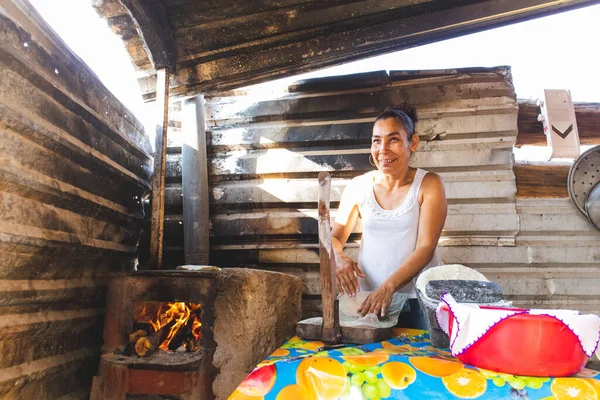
166	327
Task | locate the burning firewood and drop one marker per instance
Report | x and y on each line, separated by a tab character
133	338
145	345
184	336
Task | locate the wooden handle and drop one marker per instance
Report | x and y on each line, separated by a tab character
331	322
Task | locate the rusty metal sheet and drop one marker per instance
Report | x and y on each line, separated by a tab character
229	45
75	165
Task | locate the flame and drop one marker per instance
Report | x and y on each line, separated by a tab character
196	325
181	313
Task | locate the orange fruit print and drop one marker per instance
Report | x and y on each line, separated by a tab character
321	378
466	383
573	388
293	392
398	375
437	367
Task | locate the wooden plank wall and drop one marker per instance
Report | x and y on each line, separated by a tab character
74	165
265	152
549	178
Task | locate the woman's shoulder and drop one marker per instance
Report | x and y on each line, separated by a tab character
432	184
362	182
430	178
359	185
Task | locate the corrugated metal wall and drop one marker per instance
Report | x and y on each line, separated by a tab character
74	164
265	152
556	263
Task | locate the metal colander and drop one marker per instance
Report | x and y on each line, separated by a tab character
583	176
592	207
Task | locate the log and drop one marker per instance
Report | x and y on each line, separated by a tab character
148	344
182	336
135	336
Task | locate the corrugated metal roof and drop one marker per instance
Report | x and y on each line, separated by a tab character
228	44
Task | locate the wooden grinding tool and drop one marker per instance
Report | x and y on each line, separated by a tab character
327	328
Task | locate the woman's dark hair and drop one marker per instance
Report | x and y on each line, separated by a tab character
404	114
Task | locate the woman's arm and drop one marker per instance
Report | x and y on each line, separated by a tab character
434	208
347	269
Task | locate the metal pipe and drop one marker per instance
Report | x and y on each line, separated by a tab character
195	182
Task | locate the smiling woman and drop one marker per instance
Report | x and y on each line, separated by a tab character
403	210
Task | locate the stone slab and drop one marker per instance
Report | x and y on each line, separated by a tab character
465	291
255	312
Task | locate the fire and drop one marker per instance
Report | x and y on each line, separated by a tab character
183	314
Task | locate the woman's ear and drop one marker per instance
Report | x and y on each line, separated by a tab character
414	142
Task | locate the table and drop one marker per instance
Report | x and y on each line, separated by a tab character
405	367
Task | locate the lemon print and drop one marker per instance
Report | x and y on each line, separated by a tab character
466	383
437	367
398	375
321	378
388	351
390	348
573	388
293	392
280	353
313	346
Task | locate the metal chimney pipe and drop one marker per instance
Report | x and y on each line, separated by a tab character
195	182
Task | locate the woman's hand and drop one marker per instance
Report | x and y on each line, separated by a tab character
378	301
346	274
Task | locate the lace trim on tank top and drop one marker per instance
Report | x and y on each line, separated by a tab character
407	203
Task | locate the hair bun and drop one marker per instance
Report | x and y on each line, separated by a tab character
406	109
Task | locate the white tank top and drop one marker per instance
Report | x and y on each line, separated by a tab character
389	236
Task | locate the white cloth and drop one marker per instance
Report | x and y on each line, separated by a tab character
474	322
389	236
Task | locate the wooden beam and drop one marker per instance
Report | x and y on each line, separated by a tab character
150	19
531	131
160	166
331	322
544	179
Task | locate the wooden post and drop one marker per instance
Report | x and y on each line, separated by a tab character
195	183
331	323
160	165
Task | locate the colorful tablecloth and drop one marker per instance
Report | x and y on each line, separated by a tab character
406	367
